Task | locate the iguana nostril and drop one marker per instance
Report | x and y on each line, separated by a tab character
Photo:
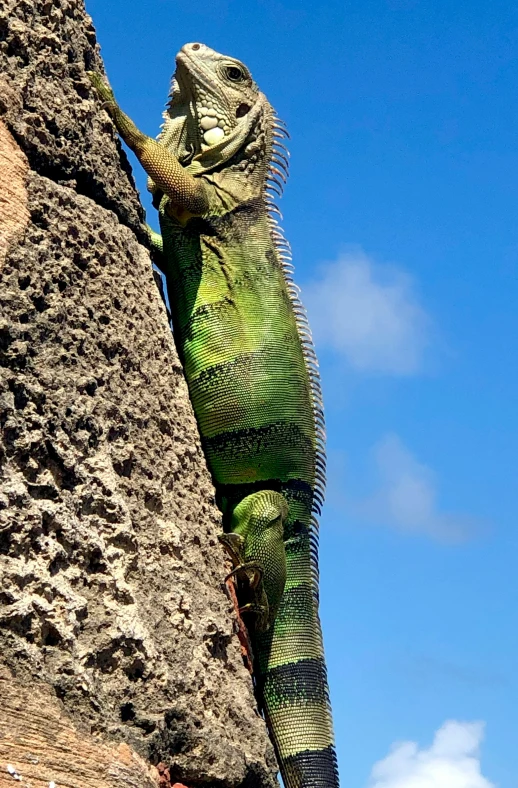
195	47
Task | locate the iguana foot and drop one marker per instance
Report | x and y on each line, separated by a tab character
261	613
254	578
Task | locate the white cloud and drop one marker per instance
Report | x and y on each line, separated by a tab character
369	314
453	761
406	498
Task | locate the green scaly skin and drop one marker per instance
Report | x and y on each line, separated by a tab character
246	350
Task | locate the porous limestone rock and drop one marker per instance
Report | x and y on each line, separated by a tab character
111	577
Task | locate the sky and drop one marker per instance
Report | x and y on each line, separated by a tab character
402	213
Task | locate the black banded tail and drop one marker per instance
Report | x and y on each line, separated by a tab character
292	679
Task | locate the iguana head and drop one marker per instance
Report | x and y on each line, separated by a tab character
218	121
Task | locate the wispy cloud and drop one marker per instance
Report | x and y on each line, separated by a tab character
453	761
369	314
406	496
427	670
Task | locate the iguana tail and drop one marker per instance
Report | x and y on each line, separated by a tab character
293	679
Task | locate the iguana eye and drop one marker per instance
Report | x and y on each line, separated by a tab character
235	74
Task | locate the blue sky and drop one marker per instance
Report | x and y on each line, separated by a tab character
402	213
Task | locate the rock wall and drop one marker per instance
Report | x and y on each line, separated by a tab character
113	610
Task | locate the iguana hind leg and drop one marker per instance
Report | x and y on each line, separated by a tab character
257	540
247	576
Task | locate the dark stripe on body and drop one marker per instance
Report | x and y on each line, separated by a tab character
250	390
258	439
297	683
277	450
222	377
311	769
293	489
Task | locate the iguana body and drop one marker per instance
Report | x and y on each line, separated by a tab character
246	349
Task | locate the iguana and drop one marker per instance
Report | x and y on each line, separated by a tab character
245	345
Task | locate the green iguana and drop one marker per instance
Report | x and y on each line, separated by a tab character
245	344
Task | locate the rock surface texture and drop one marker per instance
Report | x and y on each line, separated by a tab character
117	639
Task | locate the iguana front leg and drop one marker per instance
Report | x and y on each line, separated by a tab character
186	192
